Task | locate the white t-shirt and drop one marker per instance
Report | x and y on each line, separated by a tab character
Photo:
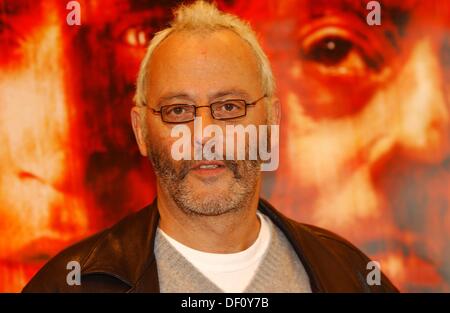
232	272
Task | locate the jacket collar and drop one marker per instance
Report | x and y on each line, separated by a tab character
126	250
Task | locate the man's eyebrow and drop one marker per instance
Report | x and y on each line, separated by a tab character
233	92
175	94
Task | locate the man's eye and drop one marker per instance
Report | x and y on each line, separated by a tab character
329	51
229	106
177	110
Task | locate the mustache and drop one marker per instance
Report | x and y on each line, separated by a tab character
187	165
178	170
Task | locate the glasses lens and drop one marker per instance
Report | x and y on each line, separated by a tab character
178	113
229	109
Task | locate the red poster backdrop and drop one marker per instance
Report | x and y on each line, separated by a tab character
364	135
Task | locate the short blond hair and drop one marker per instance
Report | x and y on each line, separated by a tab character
202	16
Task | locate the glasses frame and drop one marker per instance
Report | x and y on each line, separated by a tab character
159	112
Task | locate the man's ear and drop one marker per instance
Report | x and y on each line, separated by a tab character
275	111
138	123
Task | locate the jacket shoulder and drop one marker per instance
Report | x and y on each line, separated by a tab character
52	277
348	256
330	237
109	243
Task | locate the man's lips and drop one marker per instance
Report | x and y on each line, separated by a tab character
207	168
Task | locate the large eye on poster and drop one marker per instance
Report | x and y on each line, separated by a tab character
360	91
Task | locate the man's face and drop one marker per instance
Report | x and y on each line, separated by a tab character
366	127
199	69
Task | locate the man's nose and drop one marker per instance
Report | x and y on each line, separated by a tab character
424	127
204	118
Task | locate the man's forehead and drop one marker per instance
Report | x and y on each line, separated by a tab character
204	41
217	56
203	54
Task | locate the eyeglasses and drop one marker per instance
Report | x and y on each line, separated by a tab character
220	110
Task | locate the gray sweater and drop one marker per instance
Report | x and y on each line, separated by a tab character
279	271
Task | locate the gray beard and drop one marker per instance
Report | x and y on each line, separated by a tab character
239	194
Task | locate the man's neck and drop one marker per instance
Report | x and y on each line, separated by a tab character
226	233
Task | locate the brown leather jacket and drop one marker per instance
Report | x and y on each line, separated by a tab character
121	258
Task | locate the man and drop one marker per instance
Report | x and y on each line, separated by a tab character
208	231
